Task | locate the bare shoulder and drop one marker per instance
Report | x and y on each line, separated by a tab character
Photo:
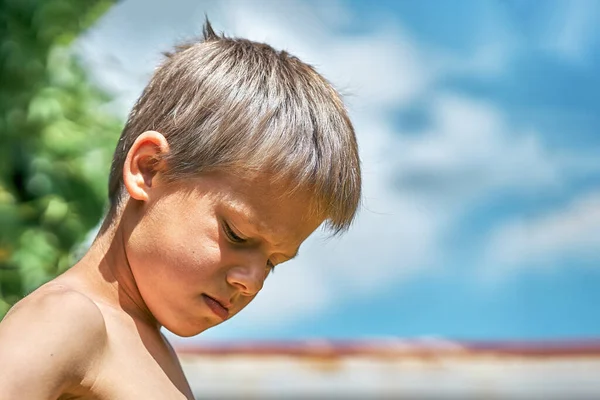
57	308
53	338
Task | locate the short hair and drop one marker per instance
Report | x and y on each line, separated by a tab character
233	105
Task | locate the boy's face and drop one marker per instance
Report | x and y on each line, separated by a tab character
200	251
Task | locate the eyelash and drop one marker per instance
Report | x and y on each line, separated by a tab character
271	266
237	239
231	234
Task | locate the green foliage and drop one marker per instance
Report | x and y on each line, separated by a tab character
55	142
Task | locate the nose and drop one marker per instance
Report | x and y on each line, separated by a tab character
248	278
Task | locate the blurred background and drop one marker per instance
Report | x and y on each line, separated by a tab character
478	128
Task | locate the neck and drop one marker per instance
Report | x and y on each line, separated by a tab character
106	273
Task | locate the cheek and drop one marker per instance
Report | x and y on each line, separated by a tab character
166	249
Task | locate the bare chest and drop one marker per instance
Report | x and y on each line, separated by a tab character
133	380
137	364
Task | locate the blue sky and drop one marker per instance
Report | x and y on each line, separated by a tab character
478	126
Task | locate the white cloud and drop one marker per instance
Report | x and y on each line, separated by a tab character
562	234
385	69
468	150
572	29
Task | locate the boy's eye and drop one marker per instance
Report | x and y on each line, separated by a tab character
237	239
232	235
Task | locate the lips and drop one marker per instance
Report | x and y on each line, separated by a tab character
216	307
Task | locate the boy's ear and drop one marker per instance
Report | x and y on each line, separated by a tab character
143	162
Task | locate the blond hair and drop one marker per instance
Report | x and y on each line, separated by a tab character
233	105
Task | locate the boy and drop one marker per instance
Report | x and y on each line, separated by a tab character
233	155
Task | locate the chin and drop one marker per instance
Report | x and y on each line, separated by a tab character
189	329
